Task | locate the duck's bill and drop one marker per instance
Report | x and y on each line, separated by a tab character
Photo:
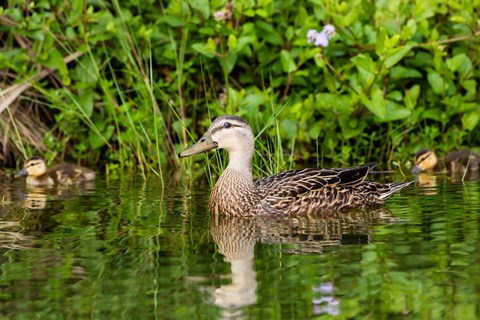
416	169
205	144
21	173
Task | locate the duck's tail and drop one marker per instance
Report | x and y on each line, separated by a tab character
392	188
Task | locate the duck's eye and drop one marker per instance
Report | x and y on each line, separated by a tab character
227	125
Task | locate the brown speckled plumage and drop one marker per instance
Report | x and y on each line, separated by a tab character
297	191
61	174
289	192
456	162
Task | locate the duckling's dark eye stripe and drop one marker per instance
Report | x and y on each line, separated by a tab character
423	158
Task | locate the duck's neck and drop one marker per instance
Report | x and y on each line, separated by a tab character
241	162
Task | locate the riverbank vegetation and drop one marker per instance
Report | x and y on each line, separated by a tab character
130	83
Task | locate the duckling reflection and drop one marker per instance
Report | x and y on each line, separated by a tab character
38	197
236	236
35	199
427	183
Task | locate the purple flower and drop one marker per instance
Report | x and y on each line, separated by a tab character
320	39
311	35
329	30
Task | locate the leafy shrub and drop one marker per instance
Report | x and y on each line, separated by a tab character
398	76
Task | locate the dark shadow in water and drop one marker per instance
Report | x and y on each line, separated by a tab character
309	234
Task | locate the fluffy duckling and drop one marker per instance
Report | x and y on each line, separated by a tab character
455	162
38	174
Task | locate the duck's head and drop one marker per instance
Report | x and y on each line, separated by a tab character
425	160
34	166
228	132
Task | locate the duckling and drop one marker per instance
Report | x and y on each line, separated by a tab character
38	174
455	162
290	192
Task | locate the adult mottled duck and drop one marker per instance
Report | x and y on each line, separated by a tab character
290	192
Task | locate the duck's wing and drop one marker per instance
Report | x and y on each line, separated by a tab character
68	174
297	182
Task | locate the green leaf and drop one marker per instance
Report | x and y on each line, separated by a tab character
85	101
269	33
55	61
377	104
97	141
432	114
411	96
454	63
396	55
436	82
253	100
395	112
234	98
243	41
395	95
290	127
408	30
211	45
351	127
201	6
232	42
203	49
380	45
465	68
341	104
174	21
314	130
262	13
230	62
471	87
288	64
400	72
369	257
390	43
458	19
470	120
365	62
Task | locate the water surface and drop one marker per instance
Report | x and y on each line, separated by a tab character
131	249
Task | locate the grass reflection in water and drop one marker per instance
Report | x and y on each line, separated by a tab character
131	249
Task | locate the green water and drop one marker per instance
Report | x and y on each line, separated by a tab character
130	249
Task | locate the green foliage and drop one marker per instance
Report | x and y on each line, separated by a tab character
398	76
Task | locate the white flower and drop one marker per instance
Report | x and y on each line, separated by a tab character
329	30
311	35
320	39
220	16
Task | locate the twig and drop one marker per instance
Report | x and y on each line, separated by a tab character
11	93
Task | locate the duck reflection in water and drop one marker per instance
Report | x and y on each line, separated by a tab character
236	237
